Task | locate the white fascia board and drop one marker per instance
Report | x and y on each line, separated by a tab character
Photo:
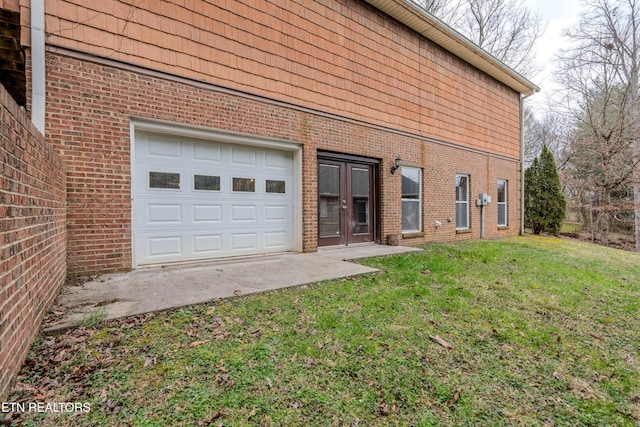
417	18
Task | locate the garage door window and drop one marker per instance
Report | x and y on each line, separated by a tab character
206	182
273	186
164	180
246	185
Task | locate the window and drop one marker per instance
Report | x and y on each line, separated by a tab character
164	180
411	199
502	203
273	186
462	202
247	185
206	182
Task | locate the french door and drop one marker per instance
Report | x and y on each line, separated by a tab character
346	202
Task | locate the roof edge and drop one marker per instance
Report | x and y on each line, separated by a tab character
417	18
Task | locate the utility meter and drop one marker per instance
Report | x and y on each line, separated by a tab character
484	199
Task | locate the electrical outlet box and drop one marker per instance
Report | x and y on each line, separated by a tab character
483	200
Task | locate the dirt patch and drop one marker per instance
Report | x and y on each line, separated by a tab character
621	241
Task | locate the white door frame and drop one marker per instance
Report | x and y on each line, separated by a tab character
219	135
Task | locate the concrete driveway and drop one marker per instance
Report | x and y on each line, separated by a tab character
160	288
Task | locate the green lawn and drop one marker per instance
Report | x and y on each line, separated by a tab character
544	332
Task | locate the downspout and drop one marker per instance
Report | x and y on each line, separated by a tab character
522	98
37	65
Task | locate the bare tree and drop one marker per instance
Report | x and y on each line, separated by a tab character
552	130
600	74
507	29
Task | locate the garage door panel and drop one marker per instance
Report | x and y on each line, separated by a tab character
277	239
243	213
274	161
207	244
164	213
203	217
164	146
243	156
277	213
207	152
244	241
164	246
207	213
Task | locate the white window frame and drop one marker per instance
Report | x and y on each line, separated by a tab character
419	200
503	203
463	202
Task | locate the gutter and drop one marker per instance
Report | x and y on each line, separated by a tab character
38	98
522	99
417	18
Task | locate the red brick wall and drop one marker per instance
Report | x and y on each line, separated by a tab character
32	234
89	110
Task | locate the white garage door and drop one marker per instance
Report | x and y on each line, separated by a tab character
197	199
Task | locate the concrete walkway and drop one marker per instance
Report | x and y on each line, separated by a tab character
160	288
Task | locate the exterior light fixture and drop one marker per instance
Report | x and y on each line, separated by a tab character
397	165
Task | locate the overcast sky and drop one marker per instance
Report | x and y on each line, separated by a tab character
559	14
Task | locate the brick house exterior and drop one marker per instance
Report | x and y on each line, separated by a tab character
170	119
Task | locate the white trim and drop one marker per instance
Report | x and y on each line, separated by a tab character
420	170
461	175
38	72
193	131
505	203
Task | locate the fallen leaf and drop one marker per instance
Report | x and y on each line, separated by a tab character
438	340
384	408
149	361
294	357
237	292
454	398
426	272
252	414
196	343
220	366
218	414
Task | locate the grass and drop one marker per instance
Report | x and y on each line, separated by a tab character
544	332
571	227
94	318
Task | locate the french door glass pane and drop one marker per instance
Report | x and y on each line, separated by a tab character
360	200
329	221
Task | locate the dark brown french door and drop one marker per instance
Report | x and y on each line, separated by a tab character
346	202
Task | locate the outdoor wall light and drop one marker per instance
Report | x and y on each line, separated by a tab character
397	165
